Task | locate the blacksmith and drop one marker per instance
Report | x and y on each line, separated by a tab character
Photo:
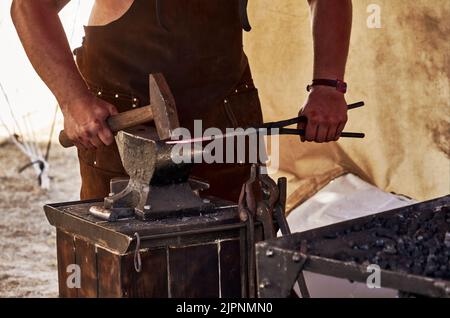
197	45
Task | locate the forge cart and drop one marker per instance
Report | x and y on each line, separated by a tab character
410	246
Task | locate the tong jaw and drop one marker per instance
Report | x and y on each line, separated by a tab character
259	198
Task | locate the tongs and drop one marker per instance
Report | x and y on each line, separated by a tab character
278	127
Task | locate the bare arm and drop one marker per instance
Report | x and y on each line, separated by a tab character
46	45
45	42
326	108
331	28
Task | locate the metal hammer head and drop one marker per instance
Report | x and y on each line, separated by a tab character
163	106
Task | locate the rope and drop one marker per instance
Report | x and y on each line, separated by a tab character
24	146
52	130
16	123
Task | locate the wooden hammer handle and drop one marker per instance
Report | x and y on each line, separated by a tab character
118	122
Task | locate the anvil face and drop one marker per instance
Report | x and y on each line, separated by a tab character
150	160
138	151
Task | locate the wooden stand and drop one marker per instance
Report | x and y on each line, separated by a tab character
185	257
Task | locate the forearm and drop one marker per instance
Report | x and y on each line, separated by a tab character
45	43
331	28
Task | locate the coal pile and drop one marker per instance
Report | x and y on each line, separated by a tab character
416	243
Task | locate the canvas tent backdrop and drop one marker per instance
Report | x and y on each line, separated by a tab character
402	73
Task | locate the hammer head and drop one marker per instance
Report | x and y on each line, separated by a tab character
163	106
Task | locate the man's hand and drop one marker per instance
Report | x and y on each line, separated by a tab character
325	107
85	122
326	111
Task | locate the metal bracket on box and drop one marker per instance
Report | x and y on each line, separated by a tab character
270	261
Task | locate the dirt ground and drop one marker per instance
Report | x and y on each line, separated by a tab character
27	241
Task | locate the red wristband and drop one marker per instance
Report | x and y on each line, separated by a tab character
340	86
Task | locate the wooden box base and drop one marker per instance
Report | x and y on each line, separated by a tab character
182	258
209	270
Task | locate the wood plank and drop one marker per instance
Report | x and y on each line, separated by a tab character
65	250
108	274
86	258
194	271
230	265
151	282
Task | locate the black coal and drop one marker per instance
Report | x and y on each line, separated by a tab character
415	243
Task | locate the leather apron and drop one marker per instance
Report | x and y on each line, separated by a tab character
197	45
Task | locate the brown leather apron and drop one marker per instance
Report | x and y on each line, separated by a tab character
197	45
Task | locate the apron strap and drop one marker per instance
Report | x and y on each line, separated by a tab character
244	16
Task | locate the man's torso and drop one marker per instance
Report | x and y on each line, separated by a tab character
197	45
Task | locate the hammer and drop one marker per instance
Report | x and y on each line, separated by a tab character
162	110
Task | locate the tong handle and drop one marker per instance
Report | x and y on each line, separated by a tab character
355	105
301	132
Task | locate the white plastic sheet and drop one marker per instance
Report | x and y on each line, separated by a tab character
344	198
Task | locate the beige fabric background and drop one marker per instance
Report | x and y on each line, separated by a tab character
401	71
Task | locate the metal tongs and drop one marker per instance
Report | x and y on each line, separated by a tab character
263	200
278	127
